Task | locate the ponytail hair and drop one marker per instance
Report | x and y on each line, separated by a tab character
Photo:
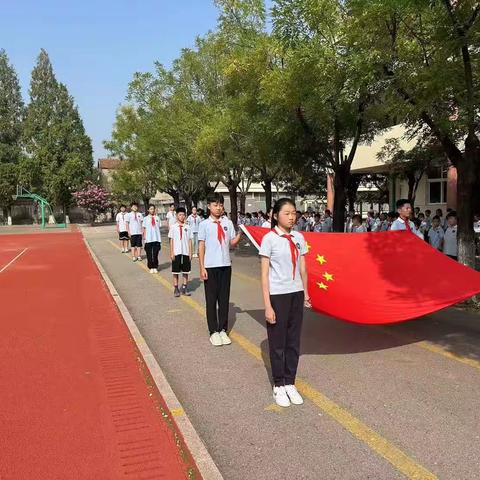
279	204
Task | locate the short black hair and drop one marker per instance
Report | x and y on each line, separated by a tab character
122	205
215	198
328	211
403	201
436	217
134	203
428	211
180	210
357	217
151	205
451	214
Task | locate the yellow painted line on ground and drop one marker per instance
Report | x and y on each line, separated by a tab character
177	412
402	462
425	344
273	407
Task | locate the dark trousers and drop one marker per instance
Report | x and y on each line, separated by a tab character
152	249
217	292
284	336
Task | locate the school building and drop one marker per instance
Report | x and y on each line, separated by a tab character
437	187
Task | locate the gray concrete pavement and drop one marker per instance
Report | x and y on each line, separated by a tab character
415	385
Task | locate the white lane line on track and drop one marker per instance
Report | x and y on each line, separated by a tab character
13	259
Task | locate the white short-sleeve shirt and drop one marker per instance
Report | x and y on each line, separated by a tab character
267	224
359	229
152	232
435	236
194	222
450	241
277	249
181	246
216	254
134	223
327	224
171	218
399	224
121	220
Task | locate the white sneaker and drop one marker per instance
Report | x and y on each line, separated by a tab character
152	270
139	258
194	255
293	394
225	338
216	339
155	270
280	397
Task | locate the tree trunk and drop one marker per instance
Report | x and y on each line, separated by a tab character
340	182
146	201
232	190
352	189
267	186
242	201
466	170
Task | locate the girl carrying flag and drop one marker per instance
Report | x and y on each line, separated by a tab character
285	293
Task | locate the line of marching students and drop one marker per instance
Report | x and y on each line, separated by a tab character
283	273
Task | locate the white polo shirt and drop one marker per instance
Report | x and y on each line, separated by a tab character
121	220
216	255
399	224
327	224
267	224
152	232
435	237
194	222
277	249
171	218
360	229
181	246
134	223
450	241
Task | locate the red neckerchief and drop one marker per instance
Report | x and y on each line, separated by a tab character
220	232
293	250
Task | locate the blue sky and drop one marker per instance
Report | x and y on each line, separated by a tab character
96	46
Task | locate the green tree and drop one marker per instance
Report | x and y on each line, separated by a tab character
59	151
427	55
11	118
325	86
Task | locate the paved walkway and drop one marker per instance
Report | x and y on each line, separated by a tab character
77	401
382	402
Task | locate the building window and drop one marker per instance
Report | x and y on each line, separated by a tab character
437	184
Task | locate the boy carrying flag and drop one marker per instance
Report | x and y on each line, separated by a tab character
216	235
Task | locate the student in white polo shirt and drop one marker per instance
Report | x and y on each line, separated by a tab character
450	247
134	227
216	235
180	251
403	222
122	230
152	238
285	293
171	217
436	234
193	221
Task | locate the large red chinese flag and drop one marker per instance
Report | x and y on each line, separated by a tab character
379	278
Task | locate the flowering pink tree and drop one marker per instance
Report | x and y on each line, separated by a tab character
93	198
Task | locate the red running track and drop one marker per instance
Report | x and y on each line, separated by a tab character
76	400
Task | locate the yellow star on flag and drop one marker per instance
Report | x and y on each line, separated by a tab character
321	259
328	276
322	286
